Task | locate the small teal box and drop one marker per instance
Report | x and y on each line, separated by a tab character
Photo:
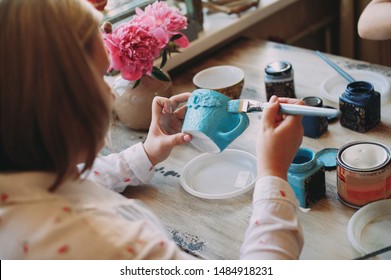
306	175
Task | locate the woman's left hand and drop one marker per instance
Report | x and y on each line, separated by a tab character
165	129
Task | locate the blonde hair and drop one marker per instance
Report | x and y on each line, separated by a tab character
53	103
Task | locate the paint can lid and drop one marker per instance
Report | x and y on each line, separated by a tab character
365	156
329	158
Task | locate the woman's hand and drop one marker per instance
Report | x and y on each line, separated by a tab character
165	130
279	139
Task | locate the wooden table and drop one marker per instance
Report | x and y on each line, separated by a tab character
214	229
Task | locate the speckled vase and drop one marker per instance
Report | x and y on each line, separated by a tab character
133	106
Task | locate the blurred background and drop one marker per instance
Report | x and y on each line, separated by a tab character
329	26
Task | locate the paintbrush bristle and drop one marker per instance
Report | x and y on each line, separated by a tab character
235	106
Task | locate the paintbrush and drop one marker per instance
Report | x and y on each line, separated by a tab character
248	106
349	78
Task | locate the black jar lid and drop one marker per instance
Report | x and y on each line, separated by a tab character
278	68
313	101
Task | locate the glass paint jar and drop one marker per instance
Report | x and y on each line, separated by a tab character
359	106
314	126
279	80
306	175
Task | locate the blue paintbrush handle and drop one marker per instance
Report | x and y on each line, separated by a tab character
292	109
336	67
249	106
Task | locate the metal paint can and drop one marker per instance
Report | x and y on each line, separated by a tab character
363	173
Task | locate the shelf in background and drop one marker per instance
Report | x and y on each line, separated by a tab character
221	27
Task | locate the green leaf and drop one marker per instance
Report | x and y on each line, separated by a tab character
164	58
159	75
136	83
175	37
112	73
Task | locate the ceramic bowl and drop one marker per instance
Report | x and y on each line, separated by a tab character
226	79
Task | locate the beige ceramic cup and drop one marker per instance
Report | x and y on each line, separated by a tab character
226	79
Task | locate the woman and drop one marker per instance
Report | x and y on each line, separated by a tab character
375	21
54	114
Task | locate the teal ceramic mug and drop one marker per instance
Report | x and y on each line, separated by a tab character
212	127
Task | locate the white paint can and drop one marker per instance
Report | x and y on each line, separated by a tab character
363	173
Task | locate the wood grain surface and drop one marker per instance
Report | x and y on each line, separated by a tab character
214	229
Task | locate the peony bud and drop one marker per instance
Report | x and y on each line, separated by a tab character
106	27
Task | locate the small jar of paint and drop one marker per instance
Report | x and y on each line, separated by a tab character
314	126
279	80
359	106
306	175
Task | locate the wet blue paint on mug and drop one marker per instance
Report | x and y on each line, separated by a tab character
212	127
360	106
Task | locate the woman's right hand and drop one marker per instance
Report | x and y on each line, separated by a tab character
279	138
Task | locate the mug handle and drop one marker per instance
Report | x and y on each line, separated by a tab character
234	133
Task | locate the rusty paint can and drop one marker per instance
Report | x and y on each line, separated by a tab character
363	173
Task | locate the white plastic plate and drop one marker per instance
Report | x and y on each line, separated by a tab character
335	85
369	228
219	176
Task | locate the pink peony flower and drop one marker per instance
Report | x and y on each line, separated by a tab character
134	46
163	20
133	50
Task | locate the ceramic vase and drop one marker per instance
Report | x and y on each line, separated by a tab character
133	106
